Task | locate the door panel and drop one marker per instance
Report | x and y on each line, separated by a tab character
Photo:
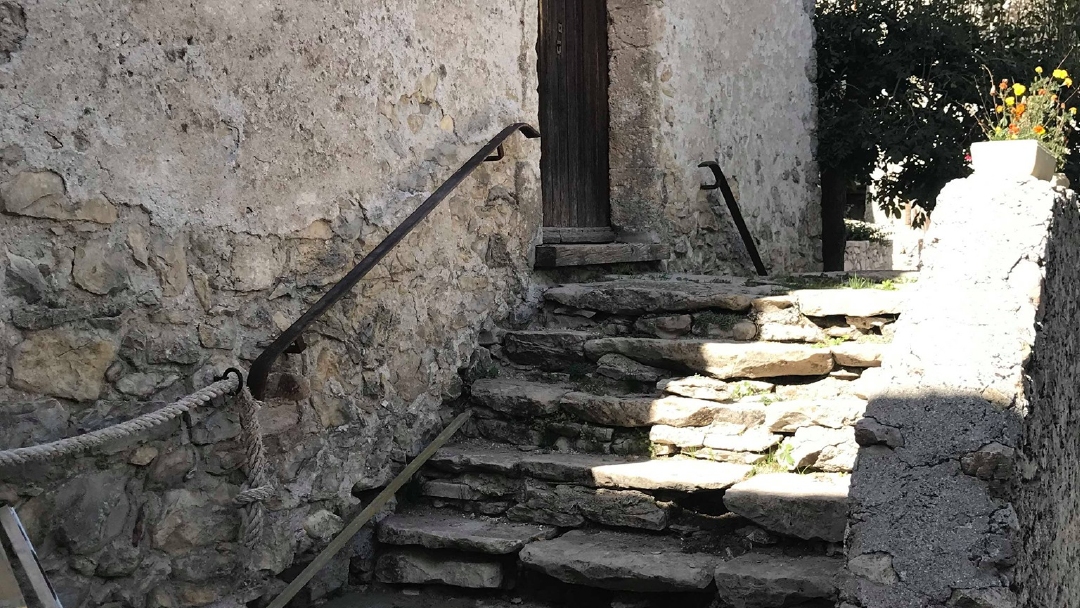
573	56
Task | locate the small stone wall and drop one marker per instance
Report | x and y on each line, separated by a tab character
1048	500
936	519
898	254
697	80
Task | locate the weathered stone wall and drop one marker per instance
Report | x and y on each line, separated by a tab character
179	182
934	518
692	81
901	252
1048	501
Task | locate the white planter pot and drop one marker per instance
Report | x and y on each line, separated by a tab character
1013	159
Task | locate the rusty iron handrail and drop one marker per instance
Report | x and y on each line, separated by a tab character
736	214
260	369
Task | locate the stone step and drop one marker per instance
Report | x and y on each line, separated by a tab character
638	297
675	474
415	566
773	581
552	349
849	302
528	400
441	529
720	359
803	506
621	561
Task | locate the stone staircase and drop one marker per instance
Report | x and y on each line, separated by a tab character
657	438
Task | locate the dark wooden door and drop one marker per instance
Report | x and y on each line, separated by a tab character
573	55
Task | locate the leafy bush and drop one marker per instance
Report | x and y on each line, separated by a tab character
865	231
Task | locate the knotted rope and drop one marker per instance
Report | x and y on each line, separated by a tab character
255	491
258	488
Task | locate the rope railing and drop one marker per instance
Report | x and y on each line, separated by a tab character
250	499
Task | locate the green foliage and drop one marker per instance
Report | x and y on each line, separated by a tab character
865	231
897	81
779	460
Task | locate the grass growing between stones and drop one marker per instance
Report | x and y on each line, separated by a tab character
779	460
743	389
830	342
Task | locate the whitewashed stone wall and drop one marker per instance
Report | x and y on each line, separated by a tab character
693	81
178	182
938	517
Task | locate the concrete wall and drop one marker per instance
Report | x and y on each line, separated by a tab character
936	516
693	81
180	181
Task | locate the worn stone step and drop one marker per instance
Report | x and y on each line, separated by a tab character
859	354
548	349
804	506
415	566
849	302
759	580
528	400
639	297
621	561
518	398
676	474
439	529
720	359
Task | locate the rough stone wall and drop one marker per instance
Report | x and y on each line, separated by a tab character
1048	501
691	81
178	182
902	253
934	515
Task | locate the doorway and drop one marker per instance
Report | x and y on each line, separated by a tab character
573	83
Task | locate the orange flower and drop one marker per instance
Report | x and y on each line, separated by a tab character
1039	129
1019	110
1004	84
1014	129
1043	91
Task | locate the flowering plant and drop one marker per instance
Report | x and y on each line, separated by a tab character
1040	111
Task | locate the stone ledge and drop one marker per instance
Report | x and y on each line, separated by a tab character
556	256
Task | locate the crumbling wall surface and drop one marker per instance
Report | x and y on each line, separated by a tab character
693	81
1048	503
180	181
934	514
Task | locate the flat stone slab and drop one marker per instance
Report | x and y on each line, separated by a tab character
548	349
621	561
618	367
631	412
849	302
804	506
859	354
711	389
447	530
518	398
790	416
638	297
412	566
604	471
774	581
722	360
681	474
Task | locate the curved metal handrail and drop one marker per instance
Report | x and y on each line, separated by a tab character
260	369
736	215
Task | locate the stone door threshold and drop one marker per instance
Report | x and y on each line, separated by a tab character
555	256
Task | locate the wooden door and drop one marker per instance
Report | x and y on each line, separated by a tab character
573	56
